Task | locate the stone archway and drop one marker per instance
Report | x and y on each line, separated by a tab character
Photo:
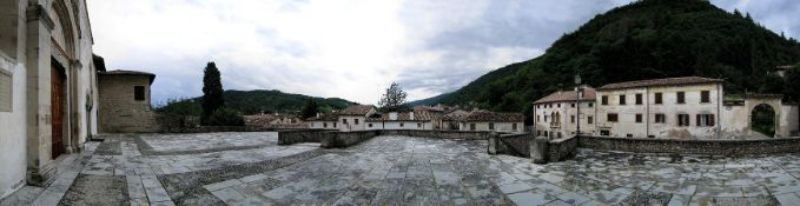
763	119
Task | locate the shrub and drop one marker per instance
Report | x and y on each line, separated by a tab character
226	117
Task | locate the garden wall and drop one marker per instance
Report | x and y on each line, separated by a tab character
712	147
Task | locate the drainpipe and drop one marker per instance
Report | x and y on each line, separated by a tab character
647	111
719	104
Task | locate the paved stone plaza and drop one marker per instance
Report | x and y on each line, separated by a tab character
251	169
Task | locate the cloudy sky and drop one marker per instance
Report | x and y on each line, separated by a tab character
348	48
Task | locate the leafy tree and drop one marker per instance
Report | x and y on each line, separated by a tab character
212	92
394	99
225	117
310	109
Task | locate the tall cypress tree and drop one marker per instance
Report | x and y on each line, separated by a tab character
212	92
310	109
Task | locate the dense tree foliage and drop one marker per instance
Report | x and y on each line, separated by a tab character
393	99
212	92
642	40
258	101
310	109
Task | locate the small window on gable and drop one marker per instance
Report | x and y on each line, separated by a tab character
138	93
6	92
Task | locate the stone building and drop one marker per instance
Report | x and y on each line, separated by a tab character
415	120
556	115
671	108
353	117
125	102
48	88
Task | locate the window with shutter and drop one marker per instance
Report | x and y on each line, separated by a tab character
6	92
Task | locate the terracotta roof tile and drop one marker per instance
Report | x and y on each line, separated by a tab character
482	116
325	117
356	110
589	94
404	116
660	82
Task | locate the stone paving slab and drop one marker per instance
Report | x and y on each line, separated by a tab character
251	169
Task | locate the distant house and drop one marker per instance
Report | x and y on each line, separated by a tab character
323	121
353	118
556	115
416	120
454	119
274	121
494	122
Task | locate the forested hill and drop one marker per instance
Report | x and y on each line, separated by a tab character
257	101
641	40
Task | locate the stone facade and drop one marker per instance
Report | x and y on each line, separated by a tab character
125	102
556	116
48	78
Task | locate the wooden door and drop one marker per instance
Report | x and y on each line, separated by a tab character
57	109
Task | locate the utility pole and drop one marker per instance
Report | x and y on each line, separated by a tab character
579	93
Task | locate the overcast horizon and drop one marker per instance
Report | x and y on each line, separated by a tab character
351	49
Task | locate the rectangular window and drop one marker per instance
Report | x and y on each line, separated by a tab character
355	121
661	118
638	118
705	96
325	125
545	118
590	119
705	120
370	125
6	91
472	126
658	99
638	99
559	105
605	133
538	117
401	125
334	124
572	105
591	104
344	121
629	135
621	99
681	97
604	100
612	117
683	120
514	126
138	93
419	125
491	125
572	119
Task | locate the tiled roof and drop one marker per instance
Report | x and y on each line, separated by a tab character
404	116
129	72
265	119
482	116
589	94
356	110
458	115
325	117
660	82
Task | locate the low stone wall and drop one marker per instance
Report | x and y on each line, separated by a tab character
513	144
468	135
211	129
711	147
346	139
562	149
300	136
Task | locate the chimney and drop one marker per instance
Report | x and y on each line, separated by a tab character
411	115
392	115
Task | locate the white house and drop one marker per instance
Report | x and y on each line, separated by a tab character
353	117
324	121
556	115
493	122
414	120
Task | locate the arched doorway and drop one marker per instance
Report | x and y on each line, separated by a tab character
762	120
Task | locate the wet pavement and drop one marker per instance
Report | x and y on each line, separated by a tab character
251	169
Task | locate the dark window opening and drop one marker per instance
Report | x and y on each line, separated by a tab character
604	100
612	117
638	99
683	120
705	97
621	99
638	118
681	97
138	93
661	118
659	100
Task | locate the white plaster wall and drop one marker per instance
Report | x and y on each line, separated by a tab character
735	121
627	113
506	127
321	125
351	125
13	131
567	127
406	125
789	120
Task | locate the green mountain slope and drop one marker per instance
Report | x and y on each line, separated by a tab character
257	101
645	39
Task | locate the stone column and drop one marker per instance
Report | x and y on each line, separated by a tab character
41	169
